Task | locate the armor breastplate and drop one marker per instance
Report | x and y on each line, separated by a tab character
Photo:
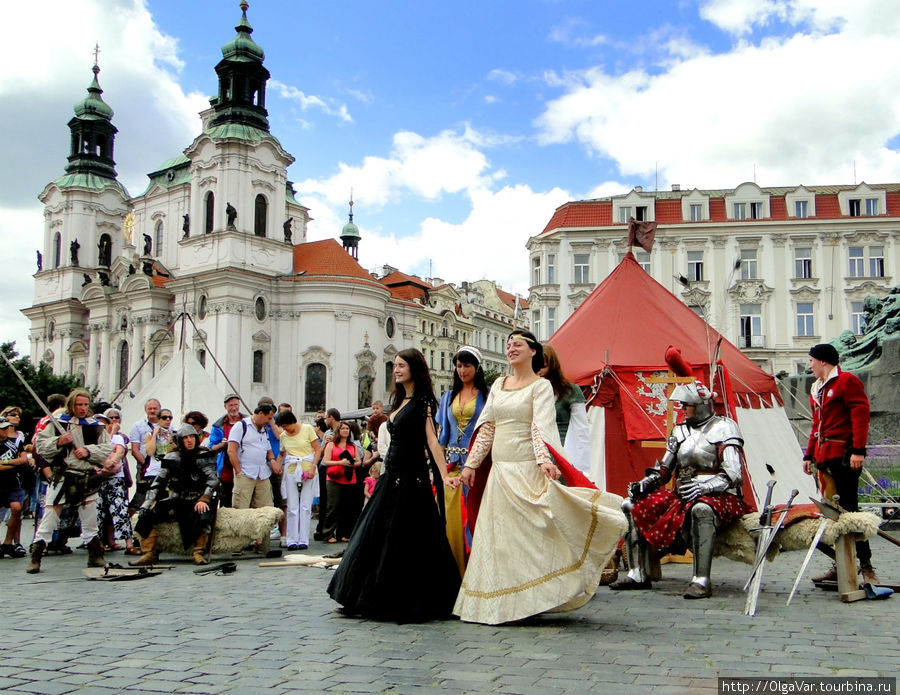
697	452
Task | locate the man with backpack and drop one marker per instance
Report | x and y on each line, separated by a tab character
252	459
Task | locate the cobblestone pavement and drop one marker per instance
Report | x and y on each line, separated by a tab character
274	631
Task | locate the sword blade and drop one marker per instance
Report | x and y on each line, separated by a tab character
762	549
755	581
820	531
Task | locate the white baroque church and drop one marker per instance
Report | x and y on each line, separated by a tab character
219	234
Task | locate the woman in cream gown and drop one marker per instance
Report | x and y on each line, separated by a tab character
538	546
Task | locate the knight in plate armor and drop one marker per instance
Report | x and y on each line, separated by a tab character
704	456
183	491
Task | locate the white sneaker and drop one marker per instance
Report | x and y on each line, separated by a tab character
284	543
275	534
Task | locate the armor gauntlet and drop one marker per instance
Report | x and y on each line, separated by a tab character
693	489
481	446
645	486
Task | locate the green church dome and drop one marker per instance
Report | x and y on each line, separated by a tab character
93	106
242	46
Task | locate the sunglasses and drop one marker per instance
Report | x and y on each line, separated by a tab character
114	417
165	417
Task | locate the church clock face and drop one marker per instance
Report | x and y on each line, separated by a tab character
390	327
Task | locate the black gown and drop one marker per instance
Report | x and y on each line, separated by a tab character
398	564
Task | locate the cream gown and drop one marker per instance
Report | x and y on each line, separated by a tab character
538	546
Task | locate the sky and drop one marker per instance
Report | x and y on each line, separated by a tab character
460	127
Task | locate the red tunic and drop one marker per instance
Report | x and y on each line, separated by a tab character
840	419
660	515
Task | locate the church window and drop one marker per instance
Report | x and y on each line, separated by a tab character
388	375
201	357
57	250
260	209
123	364
315	387
389	327
210	211
260	308
104	251
158	239
258	361
51	331
202	307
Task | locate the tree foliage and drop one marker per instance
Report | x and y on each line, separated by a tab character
41	379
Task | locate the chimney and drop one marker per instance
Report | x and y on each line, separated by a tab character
676	186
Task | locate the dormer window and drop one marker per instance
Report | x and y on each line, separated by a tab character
801	209
756	211
854	207
872	206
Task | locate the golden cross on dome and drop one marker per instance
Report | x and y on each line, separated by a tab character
96	53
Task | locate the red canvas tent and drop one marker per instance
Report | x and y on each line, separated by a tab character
618	338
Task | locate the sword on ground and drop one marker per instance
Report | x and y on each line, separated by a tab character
766	538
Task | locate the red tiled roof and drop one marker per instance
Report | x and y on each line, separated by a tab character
717	210
587	213
410	292
405	286
326	257
827	206
668	211
510	299
777	208
893	204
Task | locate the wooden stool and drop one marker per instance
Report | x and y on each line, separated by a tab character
845	560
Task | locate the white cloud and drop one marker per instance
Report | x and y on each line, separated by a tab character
571	31
859	18
504	77
801	109
139	67
489	243
741	16
311	101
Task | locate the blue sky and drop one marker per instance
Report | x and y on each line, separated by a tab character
461	126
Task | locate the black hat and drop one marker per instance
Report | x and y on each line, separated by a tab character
825	352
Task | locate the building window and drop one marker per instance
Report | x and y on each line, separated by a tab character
210	212
445	330
551	269
857	318
315	387
803	263
390	327
640	213
431	359
751	326
123	364
876	261
748	264
258	366
201	357
756	211
536	324
535	271
57	250
643	259
423	328
854	206
871	206
695	266
857	262
158	239
260	209
801	208
551	321
51	331
740	211
696	212
582	268
202	307
260	308
805	325
624	214
388	376
443	361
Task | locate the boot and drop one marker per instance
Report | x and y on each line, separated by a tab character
148	548
829	576
95	553
37	552
868	574
200	549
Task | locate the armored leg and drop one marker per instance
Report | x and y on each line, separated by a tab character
638	576
703	537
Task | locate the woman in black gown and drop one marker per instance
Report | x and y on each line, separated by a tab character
399	565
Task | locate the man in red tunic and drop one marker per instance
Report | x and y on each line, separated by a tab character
837	441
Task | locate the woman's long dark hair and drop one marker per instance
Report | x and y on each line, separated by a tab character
421	376
537	360
561	385
467	357
337	434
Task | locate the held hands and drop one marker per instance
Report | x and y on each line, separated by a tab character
452	483
467	476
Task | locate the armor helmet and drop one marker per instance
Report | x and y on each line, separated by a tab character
185	431
697	395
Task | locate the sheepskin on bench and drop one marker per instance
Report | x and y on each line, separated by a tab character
738	544
235	529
